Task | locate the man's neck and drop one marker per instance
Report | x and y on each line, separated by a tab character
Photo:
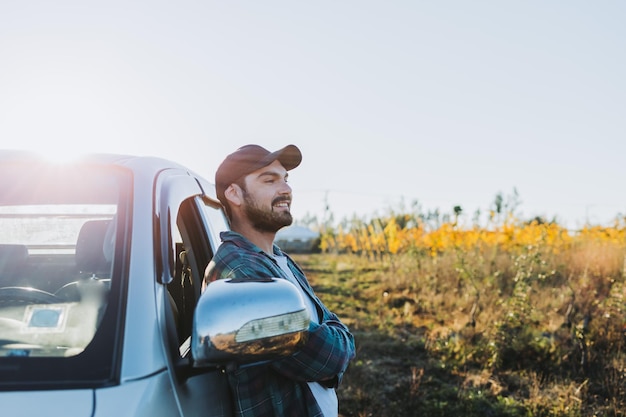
264	240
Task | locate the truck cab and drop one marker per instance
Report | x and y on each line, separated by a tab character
102	311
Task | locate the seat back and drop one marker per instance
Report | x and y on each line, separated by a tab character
12	259
91	248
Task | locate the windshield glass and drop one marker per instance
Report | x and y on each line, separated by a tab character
58	234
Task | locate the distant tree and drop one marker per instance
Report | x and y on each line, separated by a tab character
457	212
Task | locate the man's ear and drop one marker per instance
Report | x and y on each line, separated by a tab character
234	195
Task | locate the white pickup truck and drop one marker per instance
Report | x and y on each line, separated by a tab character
101	309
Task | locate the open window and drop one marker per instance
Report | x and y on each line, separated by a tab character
188	226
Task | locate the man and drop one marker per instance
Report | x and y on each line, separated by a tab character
252	185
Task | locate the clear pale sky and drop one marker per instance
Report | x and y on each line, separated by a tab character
443	102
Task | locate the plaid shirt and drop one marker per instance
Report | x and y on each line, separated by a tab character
280	388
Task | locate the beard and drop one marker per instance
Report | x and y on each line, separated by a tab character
265	220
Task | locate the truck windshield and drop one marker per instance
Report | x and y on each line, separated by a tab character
58	293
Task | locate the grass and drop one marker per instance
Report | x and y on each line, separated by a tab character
526	332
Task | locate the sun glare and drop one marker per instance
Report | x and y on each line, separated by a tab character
58	153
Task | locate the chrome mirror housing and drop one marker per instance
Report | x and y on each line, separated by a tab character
246	321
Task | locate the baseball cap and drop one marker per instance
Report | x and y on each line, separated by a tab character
248	159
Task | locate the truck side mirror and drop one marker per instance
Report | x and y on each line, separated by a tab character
245	321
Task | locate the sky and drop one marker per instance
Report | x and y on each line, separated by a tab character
396	105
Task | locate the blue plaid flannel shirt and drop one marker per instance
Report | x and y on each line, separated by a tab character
280	388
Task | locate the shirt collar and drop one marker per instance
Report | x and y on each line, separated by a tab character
241	241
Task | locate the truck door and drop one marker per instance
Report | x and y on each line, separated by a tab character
187	241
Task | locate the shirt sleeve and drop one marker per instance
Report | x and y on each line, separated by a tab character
324	357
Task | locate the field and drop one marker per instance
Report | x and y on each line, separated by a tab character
509	319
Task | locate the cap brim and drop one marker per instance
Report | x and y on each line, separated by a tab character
289	157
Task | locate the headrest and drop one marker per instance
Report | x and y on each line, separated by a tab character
90	250
12	257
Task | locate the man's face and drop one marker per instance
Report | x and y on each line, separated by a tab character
267	198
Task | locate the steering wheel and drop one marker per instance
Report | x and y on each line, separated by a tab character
27	295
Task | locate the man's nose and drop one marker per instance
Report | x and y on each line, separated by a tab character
285	188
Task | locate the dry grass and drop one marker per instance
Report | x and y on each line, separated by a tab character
486	331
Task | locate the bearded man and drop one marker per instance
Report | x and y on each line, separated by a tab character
251	183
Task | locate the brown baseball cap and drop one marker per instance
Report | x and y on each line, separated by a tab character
248	159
